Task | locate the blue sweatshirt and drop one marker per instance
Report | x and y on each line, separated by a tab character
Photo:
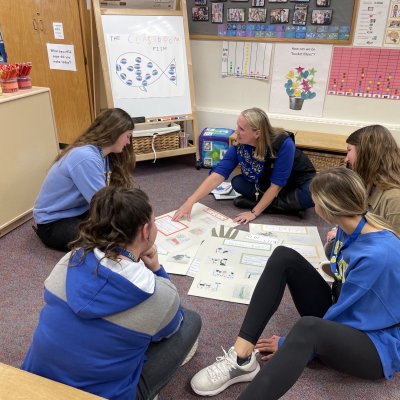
91	333
282	166
70	185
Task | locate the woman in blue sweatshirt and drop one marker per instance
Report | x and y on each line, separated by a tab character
110	304
354	328
275	175
101	156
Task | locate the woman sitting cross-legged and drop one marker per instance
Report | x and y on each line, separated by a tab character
353	329
113	324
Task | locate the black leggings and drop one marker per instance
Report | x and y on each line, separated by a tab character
338	346
58	234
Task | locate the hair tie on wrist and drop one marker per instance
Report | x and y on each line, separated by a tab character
253	212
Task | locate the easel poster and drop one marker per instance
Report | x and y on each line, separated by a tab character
299	79
146	65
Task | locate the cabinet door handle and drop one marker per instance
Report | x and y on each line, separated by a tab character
41	24
35	25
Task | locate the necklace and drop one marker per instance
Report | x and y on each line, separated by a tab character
127	254
107	170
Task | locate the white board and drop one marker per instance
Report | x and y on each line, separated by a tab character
147	64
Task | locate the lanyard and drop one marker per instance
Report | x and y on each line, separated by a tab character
107	170
334	260
126	253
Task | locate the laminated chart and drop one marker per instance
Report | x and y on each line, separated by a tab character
229	267
178	241
365	72
246	60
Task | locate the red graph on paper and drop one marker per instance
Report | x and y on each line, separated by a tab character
365	73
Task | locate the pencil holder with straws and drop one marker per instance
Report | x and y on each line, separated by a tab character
8	79
24	80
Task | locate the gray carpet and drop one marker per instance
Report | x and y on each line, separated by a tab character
25	263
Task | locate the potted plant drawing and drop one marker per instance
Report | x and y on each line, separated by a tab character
298	86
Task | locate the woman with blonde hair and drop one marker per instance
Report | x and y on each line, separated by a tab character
103	155
275	174
374	154
353	329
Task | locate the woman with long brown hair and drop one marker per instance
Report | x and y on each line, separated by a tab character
103	155
374	154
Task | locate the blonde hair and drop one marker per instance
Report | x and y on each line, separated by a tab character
340	192
104	131
258	120
377	157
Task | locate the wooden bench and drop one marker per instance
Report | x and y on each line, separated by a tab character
16	384
324	150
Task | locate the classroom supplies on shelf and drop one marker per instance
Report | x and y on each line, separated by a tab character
24	79
8	80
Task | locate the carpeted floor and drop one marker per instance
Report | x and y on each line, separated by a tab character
25	263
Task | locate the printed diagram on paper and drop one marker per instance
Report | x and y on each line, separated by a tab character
178	242
304	239
229	268
145	66
246	60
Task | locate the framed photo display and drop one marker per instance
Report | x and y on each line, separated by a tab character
317	21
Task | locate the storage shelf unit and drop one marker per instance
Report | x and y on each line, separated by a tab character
28	146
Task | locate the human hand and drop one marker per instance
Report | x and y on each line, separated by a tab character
331	235
269	345
150	258
245	217
183	211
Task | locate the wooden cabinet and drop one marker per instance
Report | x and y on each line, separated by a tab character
28	146
27	27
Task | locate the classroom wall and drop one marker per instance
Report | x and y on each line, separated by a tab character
220	100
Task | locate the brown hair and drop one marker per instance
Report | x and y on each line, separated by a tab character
116	215
340	192
258	120
377	157
104	131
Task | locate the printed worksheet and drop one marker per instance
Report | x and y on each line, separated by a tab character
178	241
228	267
304	239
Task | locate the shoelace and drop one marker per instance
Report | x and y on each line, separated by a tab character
221	367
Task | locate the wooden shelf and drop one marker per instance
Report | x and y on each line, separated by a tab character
321	141
167	153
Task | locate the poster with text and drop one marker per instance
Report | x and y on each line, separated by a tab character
299	79
146	66
371	23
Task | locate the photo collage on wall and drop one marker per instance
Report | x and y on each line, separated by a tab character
305	19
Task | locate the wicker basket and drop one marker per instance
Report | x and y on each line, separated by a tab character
169	141
323	161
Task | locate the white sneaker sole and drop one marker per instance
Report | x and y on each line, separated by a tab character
242	378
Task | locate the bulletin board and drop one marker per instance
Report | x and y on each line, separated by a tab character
144	60
313	21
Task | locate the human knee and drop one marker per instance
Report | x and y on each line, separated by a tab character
284	255
305	328
193	319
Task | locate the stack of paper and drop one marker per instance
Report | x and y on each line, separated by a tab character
224	192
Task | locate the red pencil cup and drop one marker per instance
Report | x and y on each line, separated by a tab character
24	82
9	85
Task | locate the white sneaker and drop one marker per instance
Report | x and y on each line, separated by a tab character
223	373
